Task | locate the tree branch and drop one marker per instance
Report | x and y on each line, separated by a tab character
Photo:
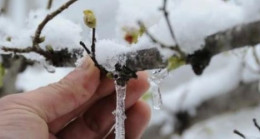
162	45
239	134
245	96
256	124
61	58
236	37
57	58
36	39
242	97
166	16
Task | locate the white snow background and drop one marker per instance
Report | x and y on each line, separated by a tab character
192	21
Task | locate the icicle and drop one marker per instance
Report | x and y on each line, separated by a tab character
120	111
155	81
48	67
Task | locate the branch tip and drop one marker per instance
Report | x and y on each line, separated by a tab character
239	134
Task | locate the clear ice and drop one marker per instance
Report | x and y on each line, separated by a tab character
155	80
120	111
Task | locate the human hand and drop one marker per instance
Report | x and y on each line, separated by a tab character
78	106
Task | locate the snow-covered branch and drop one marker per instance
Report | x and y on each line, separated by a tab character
37	39
242	97
236	37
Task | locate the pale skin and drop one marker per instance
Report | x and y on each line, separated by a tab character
77	107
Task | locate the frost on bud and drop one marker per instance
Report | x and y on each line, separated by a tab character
90	19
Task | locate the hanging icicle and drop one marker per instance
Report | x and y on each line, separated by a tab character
155	80
120	110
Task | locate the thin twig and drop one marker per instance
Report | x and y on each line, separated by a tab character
240	134
141	24
92	52
93	49
27	50
49	17
85	47
166	16
49	5
18	50
256	124
93	45
154	40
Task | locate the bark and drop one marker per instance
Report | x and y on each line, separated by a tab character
236	37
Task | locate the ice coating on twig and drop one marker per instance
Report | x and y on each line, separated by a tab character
120	111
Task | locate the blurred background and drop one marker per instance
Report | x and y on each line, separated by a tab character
210	106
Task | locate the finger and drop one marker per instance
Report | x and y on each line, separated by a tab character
98	119
60	98
105	88
138	118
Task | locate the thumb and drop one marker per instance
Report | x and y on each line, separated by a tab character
60	98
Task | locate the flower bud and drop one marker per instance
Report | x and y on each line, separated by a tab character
89	19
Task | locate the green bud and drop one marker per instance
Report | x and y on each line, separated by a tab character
2	73
49	48
110	75
174	62
9	39
41	39
90	19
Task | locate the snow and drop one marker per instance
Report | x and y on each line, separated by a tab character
6	30
221	127
110	52
59	33
36	76
107	52
146	11
192	21
199	89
